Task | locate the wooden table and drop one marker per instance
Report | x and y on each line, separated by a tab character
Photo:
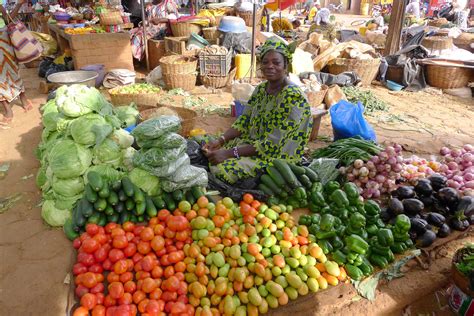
112	50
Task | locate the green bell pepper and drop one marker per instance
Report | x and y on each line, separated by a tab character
315	218
316	187
378	260
350	254
304	220
314	208
357	220
358	261
402	222
366	267
372	229
339	257
318	199
325	246
357	244
354	272
331	186
371	208
313	229
339	198
409	243
300	193
337	242
327	222
381	251
385	237
398	247
325	210
325	234
351	190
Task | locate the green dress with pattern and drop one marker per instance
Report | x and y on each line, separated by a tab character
278	126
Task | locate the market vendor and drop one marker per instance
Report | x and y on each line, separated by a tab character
322	24
276	123
413	8
285	24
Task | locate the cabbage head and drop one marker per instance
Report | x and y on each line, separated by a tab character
90	129
53	216
127	115
122	138
68	159
41	178
107	173
65	203
145	181
127	158
49	107
76	100
68	187
56	121
109	152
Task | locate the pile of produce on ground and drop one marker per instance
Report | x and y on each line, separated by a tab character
137	88
206	258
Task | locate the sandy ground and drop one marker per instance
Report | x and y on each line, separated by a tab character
35	259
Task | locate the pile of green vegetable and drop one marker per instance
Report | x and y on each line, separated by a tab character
348	150
367	98
465	262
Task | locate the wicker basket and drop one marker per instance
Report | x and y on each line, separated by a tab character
395	74
247	16
366	69
187	117
210	33
437	42
218	81
464	41
316	98
184	81
438	22
461	281
111	18
448	76
177	64
145	99
184	29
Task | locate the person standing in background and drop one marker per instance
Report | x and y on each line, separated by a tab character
413	8
461	13
313	11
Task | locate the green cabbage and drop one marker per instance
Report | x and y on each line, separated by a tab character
76	100
41	177
54	121
49	107
122	138
65	203
68	187
109	152
145	181
90	129
127	115
68	159
156	127
53	216
127	158
106	171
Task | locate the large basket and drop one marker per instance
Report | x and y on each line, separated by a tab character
177	45
461	281
187	117
184	29
218	81
438	22
247	16
111	18
464	41
437	42
395	74
210	33
145	99
215	65
366	69
184	81
177	64
317	98
448	76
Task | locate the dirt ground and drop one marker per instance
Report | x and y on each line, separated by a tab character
35	259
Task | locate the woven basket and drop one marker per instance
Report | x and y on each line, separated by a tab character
395	74
218	81
184	29
461	281
177	64
464	41
187	117
366	69
210	33
184	81
438	22
111	18
437	42
247	16
448	77
145	99
316	98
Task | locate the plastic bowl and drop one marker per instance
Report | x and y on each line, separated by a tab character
394	86
197	40
232	24
74	77
62	17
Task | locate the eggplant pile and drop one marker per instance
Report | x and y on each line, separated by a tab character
433	207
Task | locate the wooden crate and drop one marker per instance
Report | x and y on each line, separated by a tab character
156	50
177	46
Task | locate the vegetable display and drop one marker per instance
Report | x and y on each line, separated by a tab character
137	88
348	150
459	168
367	98
465	264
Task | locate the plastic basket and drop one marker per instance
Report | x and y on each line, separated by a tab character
215	65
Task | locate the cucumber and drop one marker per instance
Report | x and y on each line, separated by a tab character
124	217
276	176
69	231
140	208
312	175
138	195
102	220
130	204
100	205
158	201
150	207
117	185
283	194
127	186
170	204
94	218
190	197
85	207
286	172
95	180
304	179
105	191
267	180
114	218
122	196
197	192
273	200
297	170
90	194
109	210
265	189
133	218
77	217
120	207
178	196
140	218
113	198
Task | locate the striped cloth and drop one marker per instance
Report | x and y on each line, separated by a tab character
11	84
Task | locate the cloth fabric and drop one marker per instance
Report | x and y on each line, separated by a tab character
119	77
328	31
278	126
413	8
11	84
322	16
278	46
312	13
461	18
281	24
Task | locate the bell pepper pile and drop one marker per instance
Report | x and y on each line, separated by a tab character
349	230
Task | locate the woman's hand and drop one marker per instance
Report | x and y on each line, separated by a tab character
213	145
218	156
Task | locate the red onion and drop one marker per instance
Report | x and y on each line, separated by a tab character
375	159
383	156
392	161
468	176
458	178
350	177
380	168
448	158
397	168
380	178
453	184
452	165
388	167
468	147
445	151
364	179
455	152
372	174
342	170
358	163
397	147
364	172
355	172
390	151
358	183
370	165
469	185
468	157
375	193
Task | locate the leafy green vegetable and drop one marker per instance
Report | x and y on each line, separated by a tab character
68	187
122	138
76	100
145	181
466	263
367	98
68	159
53	216
156	127
90	129
157	156
41	177
49	107
166	141
109	152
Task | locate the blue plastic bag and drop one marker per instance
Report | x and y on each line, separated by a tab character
348	120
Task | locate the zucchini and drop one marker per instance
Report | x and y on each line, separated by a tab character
95	180
170	204
140	208
77	217
85	207
304	179
276	176
117	185
312	175
130	204
109	210
138	195
69	231
286	172
94	218
122	196
178	195
150	207
113	198
267	180
119	207
273	200
189	197
105	191
297	170
158	201
197	192
102	220
124	217
127	186
100	205
114	218
90	194
283	194
265	189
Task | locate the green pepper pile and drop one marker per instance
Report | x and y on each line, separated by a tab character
350	230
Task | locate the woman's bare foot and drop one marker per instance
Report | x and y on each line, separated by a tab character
25	103
8	115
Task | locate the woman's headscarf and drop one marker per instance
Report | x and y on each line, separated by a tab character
277	46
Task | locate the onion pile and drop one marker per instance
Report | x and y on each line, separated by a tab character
459	168
416	168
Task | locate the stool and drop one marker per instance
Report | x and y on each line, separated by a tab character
317	114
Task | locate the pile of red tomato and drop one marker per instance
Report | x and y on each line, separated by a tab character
129	269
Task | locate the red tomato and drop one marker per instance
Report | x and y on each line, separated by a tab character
113	277
157	243
129	236
99	288
89	280
101	238
130	250
178	308
157	272
116	290
153	308
128	226
183	288
126	299
137	257
147	234
98	310
109	301
143	247
169	296
92	229
90	245
79	268
149	285
107	264
172	284
147	263
137	230
100	298
101	254
116	255
77	243
81	290
163	215
120	242
109	227
96	268
81	311
88	301
125	277
120	266
85	258
177	223
130	287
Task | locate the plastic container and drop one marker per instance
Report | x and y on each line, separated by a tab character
99	69
62	16
394	86
232	24
196	40
237	108
243	63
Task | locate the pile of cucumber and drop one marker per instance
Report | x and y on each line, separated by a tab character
122	201
288	183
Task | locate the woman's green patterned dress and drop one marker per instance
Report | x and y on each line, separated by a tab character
278	126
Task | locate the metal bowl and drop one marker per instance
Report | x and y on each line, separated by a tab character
74	77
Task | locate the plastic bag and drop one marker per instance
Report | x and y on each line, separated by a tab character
158	156
50	47
167	169
167	141
238	189
155	76
156	127
195	154
185	177
326	169
44	66
348	120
